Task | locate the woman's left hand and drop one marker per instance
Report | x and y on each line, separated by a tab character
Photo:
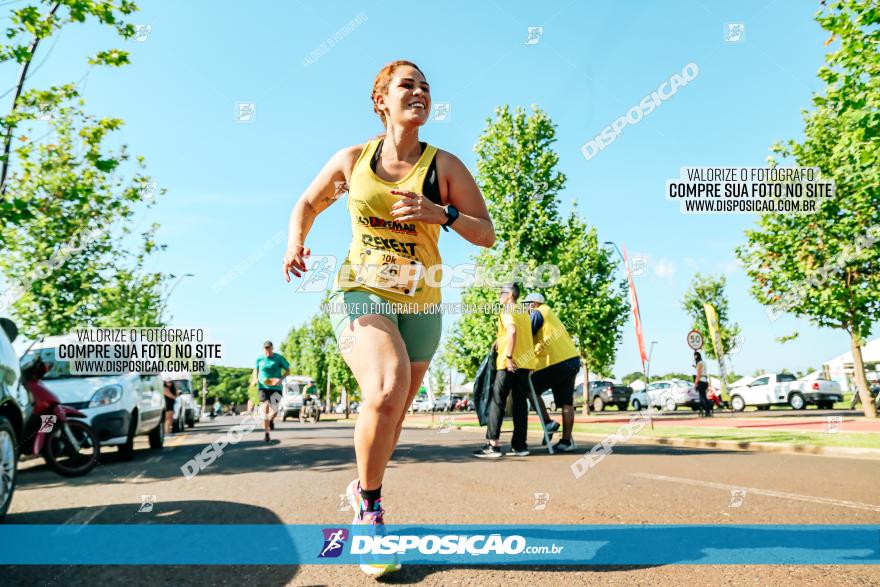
415	206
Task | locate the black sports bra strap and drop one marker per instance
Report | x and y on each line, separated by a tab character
431	187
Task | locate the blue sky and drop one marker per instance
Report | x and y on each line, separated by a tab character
231	185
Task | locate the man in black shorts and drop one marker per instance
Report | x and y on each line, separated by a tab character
558	366
271	368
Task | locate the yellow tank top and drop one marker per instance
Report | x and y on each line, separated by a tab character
523	347
553	344
388	257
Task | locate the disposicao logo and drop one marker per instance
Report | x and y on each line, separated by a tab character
334	540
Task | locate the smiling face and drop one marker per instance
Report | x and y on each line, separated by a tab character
407	99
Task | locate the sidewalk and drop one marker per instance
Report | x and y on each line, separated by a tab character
817	423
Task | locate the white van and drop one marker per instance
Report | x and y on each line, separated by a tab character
118	407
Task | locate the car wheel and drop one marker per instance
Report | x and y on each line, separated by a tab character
126	451
737	403
637	405
671	406
796	401
157	434
8	463
622	406
598	404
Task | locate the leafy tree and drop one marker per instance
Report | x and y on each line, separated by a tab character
517	176
630	377
28	26
65	257
826	266
515	172
710	290
227	384
591	304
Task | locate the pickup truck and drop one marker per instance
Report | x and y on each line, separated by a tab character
784	388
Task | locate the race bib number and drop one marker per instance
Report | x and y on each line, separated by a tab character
389	272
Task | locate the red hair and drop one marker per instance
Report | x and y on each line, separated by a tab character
383	80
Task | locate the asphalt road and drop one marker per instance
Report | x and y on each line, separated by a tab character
433	479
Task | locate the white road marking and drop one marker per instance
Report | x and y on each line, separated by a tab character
155	459
793	496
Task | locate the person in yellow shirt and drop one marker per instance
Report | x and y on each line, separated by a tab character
558	363
516	360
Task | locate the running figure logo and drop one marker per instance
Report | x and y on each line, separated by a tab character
334	540
47	424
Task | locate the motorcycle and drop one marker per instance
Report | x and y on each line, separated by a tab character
309	411
68	445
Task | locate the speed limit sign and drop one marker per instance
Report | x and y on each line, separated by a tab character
695	340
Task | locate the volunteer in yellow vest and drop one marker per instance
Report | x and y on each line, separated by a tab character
516	360
558	363
400	192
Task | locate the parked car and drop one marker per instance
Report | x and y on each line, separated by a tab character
666	395
604	393
118	407
422	404
15	410
784	388
444	403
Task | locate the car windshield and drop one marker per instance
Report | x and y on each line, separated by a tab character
58	369
183	385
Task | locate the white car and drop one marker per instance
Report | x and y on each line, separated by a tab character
117	407
422	404
665	395
15	410
771	389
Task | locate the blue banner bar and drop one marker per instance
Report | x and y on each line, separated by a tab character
267	544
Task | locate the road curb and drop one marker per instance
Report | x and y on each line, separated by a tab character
770	447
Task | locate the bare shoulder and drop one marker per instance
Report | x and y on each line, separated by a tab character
449	162
345	158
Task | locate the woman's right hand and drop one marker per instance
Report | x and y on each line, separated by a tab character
294	261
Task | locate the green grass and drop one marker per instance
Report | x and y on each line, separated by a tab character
851	440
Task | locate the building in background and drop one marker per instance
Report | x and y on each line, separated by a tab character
840	368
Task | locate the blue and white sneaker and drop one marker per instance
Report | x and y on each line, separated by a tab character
374	519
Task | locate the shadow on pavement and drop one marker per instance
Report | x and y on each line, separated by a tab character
179	512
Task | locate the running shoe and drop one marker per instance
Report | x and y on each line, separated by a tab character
488	452
565	446
266	437
519	453
375	520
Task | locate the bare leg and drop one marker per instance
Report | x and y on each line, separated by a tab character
416	374
168	422
381	366
567	422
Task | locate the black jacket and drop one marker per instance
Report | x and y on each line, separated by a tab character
483	386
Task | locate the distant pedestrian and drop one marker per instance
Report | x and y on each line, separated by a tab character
701	382
515	363
270	369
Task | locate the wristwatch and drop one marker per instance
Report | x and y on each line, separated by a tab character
451	215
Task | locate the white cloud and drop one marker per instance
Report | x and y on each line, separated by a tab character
663	268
